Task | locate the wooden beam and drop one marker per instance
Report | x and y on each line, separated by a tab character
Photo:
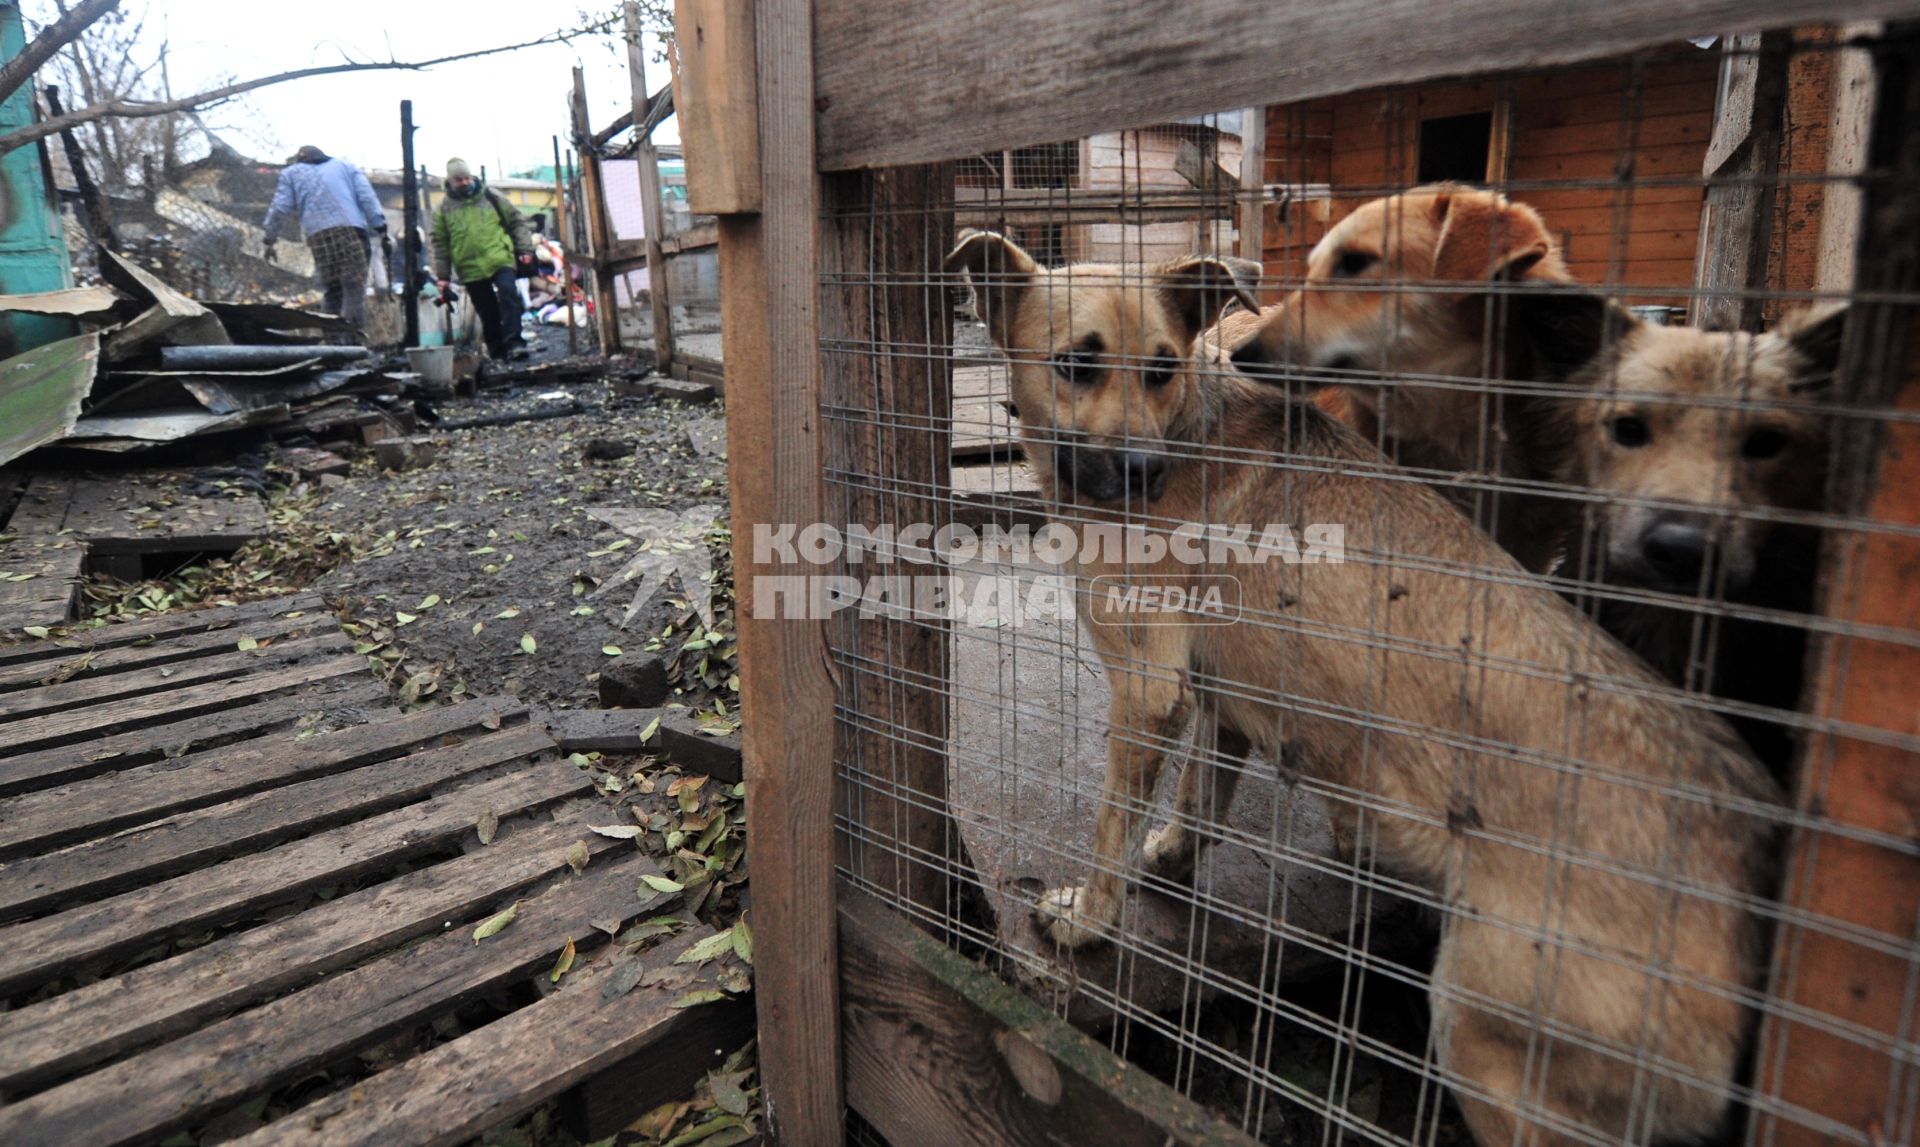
941	1051
769	308
693	239
916	81
620	123
599	233
885	236
990	207
652	211
1253	178
1741	166
1855	1070
1847	126
714	90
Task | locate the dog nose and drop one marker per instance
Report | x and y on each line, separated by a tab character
1146	473
1249	353
1677	551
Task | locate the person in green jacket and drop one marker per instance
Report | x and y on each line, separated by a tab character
481	237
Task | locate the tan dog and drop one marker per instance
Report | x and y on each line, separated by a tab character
1596	938
1699	439
1394	289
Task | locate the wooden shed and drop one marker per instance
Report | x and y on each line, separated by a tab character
1612	154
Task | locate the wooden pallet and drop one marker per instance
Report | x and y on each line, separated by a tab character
129	516
225	869
39	578
982	426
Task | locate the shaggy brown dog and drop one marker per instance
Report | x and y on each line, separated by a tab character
1595	847
1397	288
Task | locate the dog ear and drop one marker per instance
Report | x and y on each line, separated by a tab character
1565	330
1484	237
1001	272
1815	334
1196	289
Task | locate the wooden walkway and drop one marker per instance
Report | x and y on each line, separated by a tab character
227	863
122	519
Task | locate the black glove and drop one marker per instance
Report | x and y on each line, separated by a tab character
386	243
272	256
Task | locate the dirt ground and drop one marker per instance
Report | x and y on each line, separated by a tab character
494	542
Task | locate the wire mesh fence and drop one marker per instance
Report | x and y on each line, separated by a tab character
1381	574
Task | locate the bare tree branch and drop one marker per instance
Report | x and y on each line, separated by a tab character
54	37
137	109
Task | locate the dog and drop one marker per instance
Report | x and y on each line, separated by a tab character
1434	701
1398	287
1699	439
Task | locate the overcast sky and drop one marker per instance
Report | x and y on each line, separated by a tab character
500	111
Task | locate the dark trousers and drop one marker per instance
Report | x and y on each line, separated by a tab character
498	302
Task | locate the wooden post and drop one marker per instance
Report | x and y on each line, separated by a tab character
566	243
1858	970
652	211
1847	126
886	234
599	235
744	86
1253	185
409	226
1743	160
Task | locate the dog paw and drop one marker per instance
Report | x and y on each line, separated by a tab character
1169	852
1069	918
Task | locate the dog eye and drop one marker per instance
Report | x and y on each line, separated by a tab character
1076	366
1353	263
1629	430
1765	442
1160	371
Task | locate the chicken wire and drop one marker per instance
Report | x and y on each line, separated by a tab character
1287	984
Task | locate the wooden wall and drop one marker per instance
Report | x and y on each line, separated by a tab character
1576	132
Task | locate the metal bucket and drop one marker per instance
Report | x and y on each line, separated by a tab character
434	365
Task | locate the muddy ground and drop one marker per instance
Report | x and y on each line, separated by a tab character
500	523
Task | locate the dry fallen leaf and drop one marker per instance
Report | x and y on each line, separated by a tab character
489	825
492	925
563	965
578	855
620	832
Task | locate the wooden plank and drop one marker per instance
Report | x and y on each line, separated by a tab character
652	210
1175	204
905	83
716	95
158	849
885	237
91	808
454	1092
1741	165
1253	180
769	310
58	1036
692	239
1849	120
40	949
77	724
1840	1050
148	1095
237	720
136	516
93	691
17	679
599	229
50	567
941	1051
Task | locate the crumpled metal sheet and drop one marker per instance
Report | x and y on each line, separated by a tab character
41	391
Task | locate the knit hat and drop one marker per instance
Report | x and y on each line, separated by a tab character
310	154
457	167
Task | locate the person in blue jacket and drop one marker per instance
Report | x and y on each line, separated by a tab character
338	212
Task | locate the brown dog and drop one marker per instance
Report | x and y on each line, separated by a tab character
1594	849
1699	439
1397	288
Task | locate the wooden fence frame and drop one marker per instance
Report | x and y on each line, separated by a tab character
775	97
606	258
